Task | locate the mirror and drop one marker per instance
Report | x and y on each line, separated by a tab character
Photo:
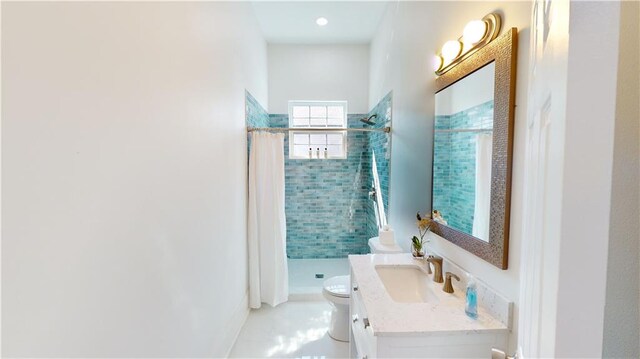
473	141
462	139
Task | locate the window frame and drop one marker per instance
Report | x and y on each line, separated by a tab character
300	130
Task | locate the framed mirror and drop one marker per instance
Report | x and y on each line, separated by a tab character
472	152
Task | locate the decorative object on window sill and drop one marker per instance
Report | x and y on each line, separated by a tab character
417	244
476	34
319	154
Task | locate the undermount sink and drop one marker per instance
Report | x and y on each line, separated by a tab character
407	284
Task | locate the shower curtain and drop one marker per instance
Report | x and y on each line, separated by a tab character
267	232
482	209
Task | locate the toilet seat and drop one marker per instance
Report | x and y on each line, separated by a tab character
338	286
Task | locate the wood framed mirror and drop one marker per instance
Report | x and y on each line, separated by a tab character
472	150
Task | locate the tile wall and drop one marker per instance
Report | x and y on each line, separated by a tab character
329	212
325	199
380	144
255	114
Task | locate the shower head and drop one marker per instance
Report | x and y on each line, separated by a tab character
368	121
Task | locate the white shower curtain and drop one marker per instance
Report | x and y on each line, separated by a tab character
267	232
481	212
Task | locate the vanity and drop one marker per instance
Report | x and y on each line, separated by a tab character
398	311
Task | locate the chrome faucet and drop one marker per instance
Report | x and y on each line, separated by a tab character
373	194
437	268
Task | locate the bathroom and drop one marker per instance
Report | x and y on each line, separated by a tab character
131	224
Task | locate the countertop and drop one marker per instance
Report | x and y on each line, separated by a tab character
390	318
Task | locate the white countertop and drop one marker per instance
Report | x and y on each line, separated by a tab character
389	318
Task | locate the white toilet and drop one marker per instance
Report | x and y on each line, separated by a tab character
337	290
378	248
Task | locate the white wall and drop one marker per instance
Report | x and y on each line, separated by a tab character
124	164
318	72
621	309
401	57
471	91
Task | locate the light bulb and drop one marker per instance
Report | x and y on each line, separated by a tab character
322	21
437	63
474	32
451	50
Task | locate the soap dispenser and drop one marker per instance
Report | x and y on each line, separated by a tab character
471	308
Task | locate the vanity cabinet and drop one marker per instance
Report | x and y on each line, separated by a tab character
361	337
382	328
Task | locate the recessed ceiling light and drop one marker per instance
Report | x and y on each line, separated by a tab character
322	21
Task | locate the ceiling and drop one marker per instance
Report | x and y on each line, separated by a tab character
294	22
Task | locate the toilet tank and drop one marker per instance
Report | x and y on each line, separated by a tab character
376	247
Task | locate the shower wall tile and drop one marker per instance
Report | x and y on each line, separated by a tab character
325	200
255	114
454	165
380	144
328	209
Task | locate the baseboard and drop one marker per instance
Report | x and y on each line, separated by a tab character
235	325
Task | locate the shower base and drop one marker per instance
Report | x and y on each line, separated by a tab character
305	280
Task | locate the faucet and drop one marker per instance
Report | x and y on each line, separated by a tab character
437	268
373	194
448	288
428	267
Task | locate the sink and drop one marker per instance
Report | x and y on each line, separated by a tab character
407	284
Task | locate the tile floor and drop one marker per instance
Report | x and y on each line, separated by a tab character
296	329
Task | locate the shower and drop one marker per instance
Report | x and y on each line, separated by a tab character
343	215
368	120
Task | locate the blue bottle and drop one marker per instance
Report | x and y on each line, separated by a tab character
471	308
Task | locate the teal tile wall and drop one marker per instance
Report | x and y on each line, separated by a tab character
325	200
380	144
328	210
255	114
454	164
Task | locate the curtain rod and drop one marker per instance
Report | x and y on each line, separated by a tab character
467	130
303	129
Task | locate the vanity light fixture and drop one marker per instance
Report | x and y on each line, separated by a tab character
450	50
437	62
476	34
322	21
473	32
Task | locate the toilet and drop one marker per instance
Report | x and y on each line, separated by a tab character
337	291
378	248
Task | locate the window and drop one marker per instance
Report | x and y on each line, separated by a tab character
313	143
